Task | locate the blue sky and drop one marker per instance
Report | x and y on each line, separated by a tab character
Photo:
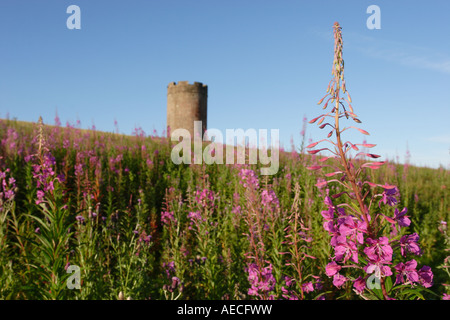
266	64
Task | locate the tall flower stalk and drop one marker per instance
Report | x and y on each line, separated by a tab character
7	205
363	252
53	226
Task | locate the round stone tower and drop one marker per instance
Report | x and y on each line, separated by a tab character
186	103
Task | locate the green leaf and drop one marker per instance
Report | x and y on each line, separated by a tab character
388	284
413	293
378	293
370	296
401	287
321	294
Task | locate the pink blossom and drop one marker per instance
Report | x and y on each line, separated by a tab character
248	178
355	229
195	216
401	217
407	269
40	196
409	243
268	198
359	284
339	280
328	215
378	268
332	268
425	276
389	196
261	281
308	287
346	250
167	217
379	250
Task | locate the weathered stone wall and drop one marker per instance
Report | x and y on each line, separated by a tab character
186	103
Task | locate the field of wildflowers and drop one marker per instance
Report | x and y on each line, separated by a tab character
137	226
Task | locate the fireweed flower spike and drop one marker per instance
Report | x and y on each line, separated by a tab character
361	248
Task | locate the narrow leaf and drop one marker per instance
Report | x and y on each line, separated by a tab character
314	167
389	219
367	145
373	165
332	173
325	159
387	186
315	119
312	145
360	130
321	184
371	184
370	155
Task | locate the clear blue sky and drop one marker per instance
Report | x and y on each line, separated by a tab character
266	64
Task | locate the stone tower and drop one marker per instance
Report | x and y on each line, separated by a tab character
186	103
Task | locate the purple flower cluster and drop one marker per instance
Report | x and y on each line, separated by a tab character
7	185
407	270
389	196
410	243
169	268
269	199
175	282
45	176
261	280
10	142
7	188
401	218
289	292
205	197
249	179
348	237
379	254
168	217
143	240
286	291
113	162
195	217
347	231
78	170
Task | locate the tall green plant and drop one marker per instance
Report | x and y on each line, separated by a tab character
362	237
